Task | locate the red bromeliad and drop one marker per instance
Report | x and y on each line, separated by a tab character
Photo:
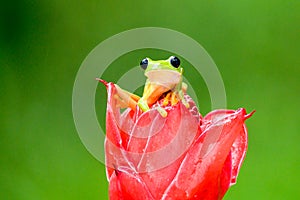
161	147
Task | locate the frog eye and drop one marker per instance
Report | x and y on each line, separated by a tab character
175	62
144	63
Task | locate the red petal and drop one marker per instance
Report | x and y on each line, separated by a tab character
239	147
200	174
119	189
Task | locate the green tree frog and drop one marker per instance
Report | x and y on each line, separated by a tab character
164	81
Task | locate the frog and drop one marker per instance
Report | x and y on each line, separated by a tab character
164	81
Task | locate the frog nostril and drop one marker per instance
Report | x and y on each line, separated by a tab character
175	62
144	63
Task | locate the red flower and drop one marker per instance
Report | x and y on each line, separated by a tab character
181	156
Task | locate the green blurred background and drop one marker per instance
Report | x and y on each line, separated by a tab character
255	44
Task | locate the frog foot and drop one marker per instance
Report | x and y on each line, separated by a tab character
173	98
162	111
126	99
